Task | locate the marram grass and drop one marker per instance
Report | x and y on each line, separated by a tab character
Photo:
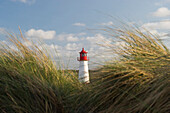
136	83
30	82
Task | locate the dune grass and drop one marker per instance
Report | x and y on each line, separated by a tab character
136	83
30	82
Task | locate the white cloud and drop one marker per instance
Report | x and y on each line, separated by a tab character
79	24
107	24
98	39
81	34
2	31
41	34
57	47
72	39
161	34
162	25
162	12
159	29
27	43
68	50
120	44
63	36
51	47
25	1
72	46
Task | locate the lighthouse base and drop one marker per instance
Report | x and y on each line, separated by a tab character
84	72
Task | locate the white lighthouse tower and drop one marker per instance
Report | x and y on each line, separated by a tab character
83	67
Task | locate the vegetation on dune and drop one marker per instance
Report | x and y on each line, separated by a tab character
136	83
30	82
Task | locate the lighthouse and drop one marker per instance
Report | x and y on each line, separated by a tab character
83	67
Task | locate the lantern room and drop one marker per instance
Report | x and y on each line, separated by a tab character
83	55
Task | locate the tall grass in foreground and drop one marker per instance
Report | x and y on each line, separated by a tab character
137	83
30	82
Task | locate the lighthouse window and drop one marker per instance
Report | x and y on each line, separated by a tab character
83	54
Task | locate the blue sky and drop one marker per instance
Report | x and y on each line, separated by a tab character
63	24
60	15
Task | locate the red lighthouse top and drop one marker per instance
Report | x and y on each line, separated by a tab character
83	55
